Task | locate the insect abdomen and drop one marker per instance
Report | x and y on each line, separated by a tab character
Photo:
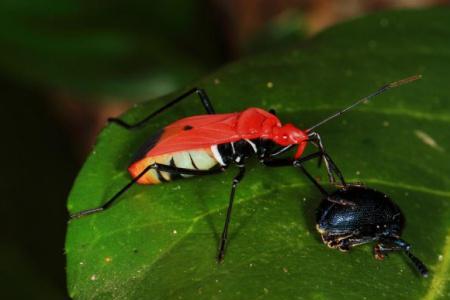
198	159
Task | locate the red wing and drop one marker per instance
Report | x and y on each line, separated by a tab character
196	132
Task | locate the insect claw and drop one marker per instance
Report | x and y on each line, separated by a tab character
221	255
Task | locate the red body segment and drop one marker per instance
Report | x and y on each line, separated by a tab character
205	131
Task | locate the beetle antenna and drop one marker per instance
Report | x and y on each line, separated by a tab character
367	98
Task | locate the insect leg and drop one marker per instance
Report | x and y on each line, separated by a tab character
312	179
329	164
335	168
224	237
299	164
284	162
393	244
200	92
155	166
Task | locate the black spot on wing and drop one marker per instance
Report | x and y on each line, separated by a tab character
147	146
187	127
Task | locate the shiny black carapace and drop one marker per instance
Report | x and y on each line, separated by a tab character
355	215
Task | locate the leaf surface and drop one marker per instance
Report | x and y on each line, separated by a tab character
159	242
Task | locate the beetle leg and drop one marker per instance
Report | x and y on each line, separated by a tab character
155	166
341	243
387	245
224	236
344	246
200	92
379	252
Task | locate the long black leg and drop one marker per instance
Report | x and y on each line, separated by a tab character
313	180
283	162
201	93
321	154
155	166
317	141
335	168
320	188
223	240
286	162
298	163
329	164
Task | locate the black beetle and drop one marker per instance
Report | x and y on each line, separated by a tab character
355	215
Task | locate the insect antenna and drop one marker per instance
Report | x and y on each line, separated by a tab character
376	93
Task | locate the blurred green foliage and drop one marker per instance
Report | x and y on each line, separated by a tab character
118	48
37	167
286	29
134	49
159	242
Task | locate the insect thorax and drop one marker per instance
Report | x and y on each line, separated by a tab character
238	152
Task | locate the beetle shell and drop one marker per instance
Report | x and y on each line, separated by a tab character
366	216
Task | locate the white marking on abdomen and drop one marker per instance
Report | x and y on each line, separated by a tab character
252	144
183	160
202	159
217	155
197	159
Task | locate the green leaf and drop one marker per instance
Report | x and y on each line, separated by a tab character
159	242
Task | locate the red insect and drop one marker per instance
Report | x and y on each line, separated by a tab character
207	144
200	141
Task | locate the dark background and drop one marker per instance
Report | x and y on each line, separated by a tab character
65	66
